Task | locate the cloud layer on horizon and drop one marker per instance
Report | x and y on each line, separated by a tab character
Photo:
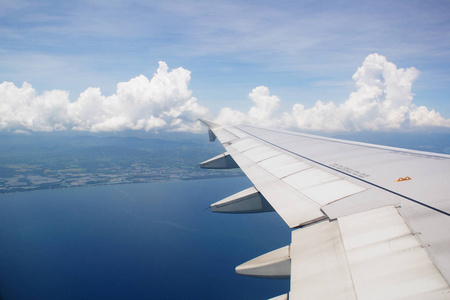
162	103
382	100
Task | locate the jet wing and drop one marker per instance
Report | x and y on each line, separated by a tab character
368	221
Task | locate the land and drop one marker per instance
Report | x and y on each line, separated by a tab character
52	161
40	161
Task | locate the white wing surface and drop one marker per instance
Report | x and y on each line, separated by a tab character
368	221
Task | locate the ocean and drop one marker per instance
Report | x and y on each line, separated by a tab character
134	241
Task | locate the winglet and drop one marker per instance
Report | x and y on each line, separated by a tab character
209	123
211	127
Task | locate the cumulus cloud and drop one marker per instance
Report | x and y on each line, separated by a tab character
163	102
261	113
382	100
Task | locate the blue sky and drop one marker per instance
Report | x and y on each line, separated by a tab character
303	51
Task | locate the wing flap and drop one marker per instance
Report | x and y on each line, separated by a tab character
319	267
386	260
367	255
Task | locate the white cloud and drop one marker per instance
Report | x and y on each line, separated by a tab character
261	113
265	104
21	108
163	102
382	100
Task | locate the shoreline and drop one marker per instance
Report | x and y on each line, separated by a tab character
51	187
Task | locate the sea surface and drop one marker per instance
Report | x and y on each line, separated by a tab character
135	241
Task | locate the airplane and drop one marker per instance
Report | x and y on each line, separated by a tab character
367	221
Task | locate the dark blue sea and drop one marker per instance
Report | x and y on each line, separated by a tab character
137	241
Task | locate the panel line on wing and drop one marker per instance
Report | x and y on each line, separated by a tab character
332	191
283	165
225	136
245	144
237	132
308	178
260	153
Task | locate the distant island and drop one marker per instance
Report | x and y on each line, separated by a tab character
50	160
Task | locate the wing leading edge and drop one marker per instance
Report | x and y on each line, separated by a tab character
369	222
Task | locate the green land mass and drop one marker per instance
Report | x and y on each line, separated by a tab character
51	161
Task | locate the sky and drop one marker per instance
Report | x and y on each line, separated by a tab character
160	65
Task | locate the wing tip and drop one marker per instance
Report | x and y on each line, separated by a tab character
209	123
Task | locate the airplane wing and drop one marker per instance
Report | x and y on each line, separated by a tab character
368	221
